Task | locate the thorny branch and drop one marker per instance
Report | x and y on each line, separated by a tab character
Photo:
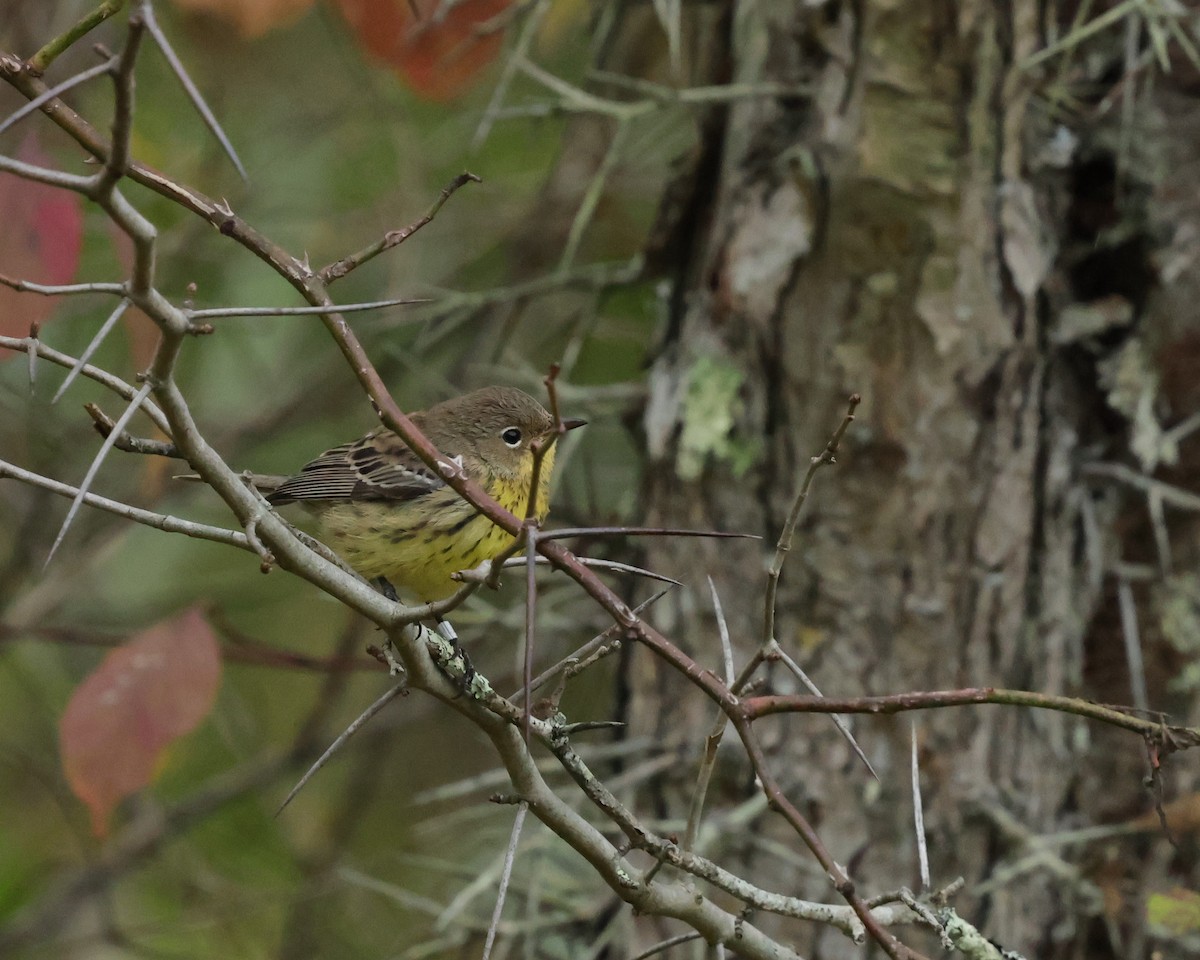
427	657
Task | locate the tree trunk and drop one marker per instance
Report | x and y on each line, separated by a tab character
929	228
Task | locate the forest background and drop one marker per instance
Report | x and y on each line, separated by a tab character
720	219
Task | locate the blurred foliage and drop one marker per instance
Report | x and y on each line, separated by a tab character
338	151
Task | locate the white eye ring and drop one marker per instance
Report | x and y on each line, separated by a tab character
511	436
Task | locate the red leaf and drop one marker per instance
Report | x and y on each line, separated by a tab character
40	241
438	55
146	694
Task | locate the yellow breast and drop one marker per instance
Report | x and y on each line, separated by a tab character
417	544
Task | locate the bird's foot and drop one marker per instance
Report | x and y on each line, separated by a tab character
462	671
384	586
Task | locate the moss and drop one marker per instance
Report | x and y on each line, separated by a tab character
712	407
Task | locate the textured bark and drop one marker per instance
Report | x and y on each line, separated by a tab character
921	231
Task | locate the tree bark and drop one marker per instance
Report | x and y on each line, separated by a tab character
928	228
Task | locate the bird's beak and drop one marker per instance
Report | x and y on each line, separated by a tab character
570	423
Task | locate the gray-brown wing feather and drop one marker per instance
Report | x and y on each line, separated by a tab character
378	466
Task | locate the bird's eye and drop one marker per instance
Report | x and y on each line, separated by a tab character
511	436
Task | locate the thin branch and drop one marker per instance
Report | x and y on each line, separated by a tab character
1171	495
160	521
539	448
664	945
919	813
105	329
190	88
299	311
359	722
105	425
45	56
592	195
57	290
722	632
1173	737
591	277
238	648
1075	37
1182	430
135	845
837	874
500	90
95	467
510	856
113	382
53	178
339	269
703	95
531	533
784	544
35	104
581	99
564	533
1133	645
123	81
839	722
716	734
584	652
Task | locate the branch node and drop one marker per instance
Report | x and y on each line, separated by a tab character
251	529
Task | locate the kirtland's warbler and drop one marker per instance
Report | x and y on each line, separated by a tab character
388	515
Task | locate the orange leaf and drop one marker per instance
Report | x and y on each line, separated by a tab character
40	241
146	694
438	55
251	18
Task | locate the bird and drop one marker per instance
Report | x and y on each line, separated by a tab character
397	522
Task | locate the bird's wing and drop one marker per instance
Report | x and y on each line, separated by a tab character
379	466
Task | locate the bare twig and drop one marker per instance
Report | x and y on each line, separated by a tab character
528	31
107	445
60	289
585	652
843	728
113	382
338	269
489	574
217	312
664	945
190	88
531	533
70	83
785	537
45	56
359	722
919	814
716	734
704	95
117	163
1133	644
105	329
565	533
133	847
105	425
1171	495
1171	737
593	194
510	856
53	178
160	521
